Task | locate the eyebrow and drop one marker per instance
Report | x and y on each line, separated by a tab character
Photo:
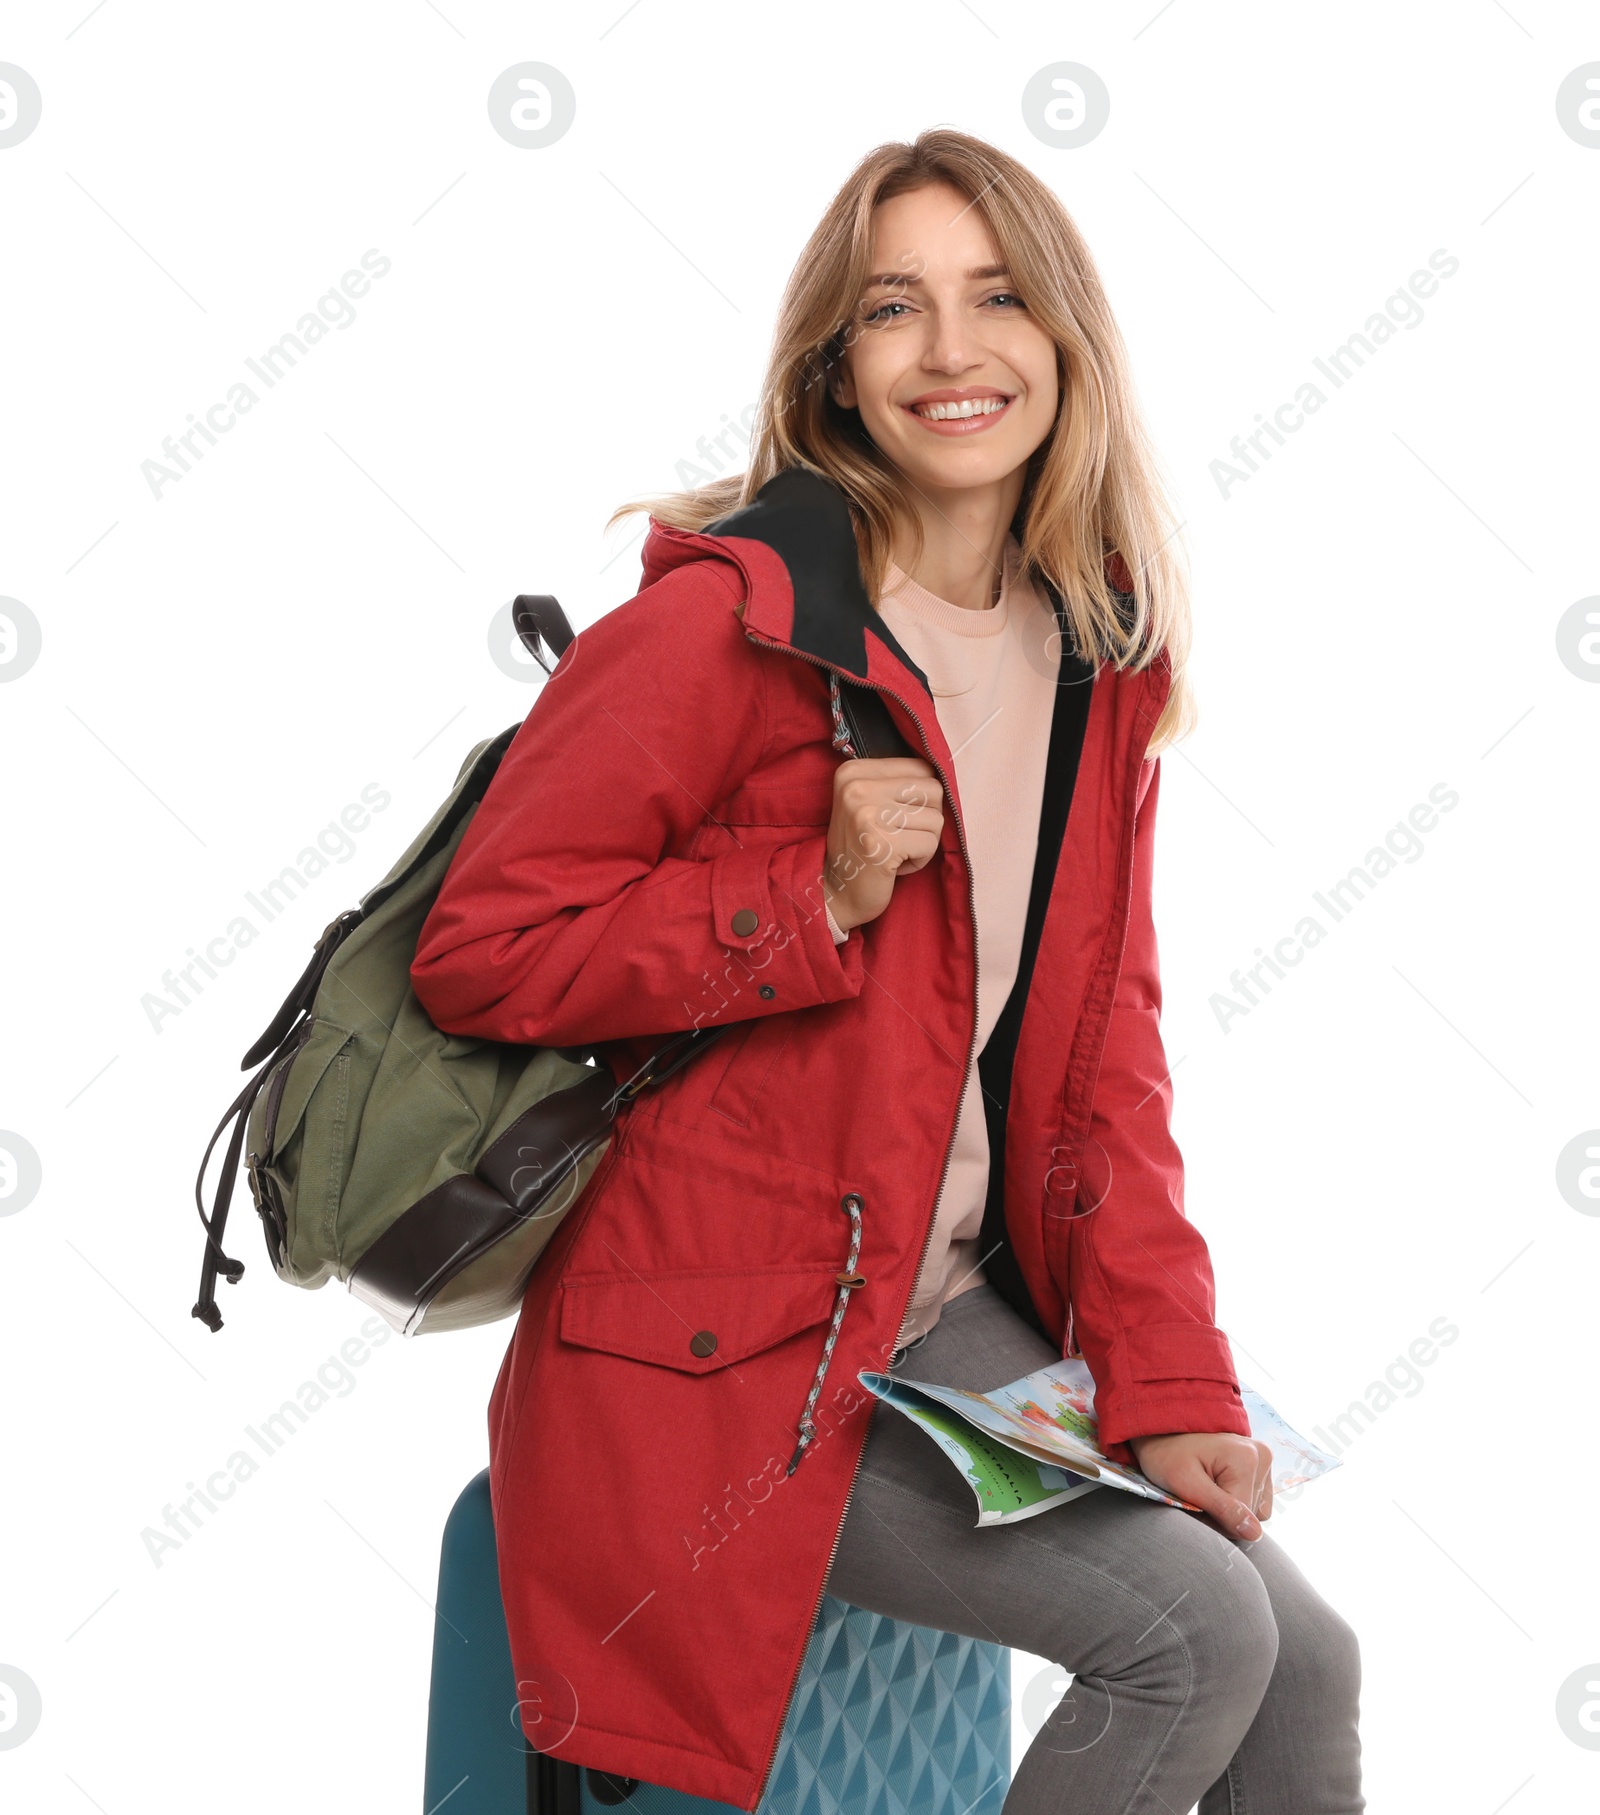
977	275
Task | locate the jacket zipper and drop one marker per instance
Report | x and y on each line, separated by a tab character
944	1170
972	899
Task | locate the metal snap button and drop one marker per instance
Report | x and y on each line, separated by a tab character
766	992
703	1342
745	922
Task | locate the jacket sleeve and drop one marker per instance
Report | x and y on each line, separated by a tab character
570	913
1142	1291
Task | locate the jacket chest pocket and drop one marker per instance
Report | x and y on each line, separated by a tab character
760	816
757	1059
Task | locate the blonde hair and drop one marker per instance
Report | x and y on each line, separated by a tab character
1091	490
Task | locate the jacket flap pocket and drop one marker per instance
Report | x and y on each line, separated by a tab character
786	804
695	1321
1178	1351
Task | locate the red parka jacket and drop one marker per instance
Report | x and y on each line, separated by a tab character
647	859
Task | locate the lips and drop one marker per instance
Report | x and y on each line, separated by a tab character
968	411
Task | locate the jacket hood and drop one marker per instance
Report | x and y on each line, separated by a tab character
794	545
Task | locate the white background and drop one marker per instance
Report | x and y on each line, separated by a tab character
1371	1148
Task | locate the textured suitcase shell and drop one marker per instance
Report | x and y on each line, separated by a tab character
886	1719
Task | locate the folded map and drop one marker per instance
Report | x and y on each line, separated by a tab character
1035	1444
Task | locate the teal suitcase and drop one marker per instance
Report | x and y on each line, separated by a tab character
886	1719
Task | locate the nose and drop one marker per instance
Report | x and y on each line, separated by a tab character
952	347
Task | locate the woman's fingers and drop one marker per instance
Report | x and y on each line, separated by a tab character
1244	1474
915	848
888	816
1228	1478
890	768
1219	1498
1263	1503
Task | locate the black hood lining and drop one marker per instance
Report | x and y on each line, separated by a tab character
805	520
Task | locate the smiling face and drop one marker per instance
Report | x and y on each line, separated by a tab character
955	382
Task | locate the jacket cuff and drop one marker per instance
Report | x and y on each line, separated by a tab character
767	907
1165	1378
1191	1405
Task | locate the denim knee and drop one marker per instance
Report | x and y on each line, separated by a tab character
1319	1659
1223	1624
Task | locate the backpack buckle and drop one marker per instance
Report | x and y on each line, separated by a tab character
625	1092
662	1063
268	1208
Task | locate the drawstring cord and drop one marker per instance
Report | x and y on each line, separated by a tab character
848	1280
841	731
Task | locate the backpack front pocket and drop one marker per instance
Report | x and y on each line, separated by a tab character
298	1149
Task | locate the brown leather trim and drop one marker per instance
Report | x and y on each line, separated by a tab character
456	1222
545	1142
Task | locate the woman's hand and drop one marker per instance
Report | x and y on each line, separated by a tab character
888	812
1226	1476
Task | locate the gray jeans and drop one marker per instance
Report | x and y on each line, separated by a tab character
1204	1670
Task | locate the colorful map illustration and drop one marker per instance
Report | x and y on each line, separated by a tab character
1035	1443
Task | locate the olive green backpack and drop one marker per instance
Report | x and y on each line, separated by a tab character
425	1170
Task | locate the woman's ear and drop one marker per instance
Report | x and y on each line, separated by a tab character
841	386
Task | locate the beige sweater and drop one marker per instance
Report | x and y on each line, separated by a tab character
993	676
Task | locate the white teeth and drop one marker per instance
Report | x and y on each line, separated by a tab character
950	412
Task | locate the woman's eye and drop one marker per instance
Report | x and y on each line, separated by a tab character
1007	298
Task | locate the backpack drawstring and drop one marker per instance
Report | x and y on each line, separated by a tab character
848	1281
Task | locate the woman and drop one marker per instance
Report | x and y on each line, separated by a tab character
933	1134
